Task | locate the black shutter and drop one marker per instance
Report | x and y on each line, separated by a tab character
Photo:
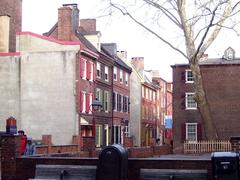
183	132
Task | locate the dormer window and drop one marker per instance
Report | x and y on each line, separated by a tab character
229	54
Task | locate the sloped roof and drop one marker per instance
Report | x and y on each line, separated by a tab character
117	59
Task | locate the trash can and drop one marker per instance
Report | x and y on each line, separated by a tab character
112	163
225	165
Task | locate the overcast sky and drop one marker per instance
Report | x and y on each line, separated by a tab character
40	15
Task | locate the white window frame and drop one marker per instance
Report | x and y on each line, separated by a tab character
98	94
98	69
121	102
85	69
84	94
190	101
99	133
127	109
106	73
187	132
115	101
126	79
115	73
91	69
188	78
121	77
106	101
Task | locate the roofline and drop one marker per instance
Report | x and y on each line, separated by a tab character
48	38
229	64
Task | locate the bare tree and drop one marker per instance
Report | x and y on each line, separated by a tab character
197	21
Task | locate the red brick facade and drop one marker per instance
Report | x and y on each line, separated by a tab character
12	8
221	84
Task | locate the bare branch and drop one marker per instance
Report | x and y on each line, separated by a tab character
165	11
217	29
125	12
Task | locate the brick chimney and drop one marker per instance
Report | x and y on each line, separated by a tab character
89	25
4	33
138	62
68	21
13	9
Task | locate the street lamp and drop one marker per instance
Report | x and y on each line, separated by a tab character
96	104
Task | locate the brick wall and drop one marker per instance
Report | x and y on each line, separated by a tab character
222	85
13	8
89	25
64	23
9	153
141	152
128	142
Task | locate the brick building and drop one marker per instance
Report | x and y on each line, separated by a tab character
164	108
143	103
120	96
221	84
12	10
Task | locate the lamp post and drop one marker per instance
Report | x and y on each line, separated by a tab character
96	104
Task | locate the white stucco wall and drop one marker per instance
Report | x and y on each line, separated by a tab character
135	108
48	95
9	89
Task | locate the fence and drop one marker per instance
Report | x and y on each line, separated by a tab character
206	146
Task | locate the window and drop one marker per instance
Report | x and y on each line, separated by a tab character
189	76
126	129
83	67
83	102
115	73
121	100
117	134
191	131
106	101
98	70
126	79
106	73
114	101
190	102
99	135
121	77
127	104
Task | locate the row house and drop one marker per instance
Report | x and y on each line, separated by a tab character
164	105
94	78
143	111
149	117
66	29
120	96
221	84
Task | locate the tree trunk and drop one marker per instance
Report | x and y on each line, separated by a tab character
202	103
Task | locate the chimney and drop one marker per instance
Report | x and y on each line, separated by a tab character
122	55
4	33
68	21
138	62
89	25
